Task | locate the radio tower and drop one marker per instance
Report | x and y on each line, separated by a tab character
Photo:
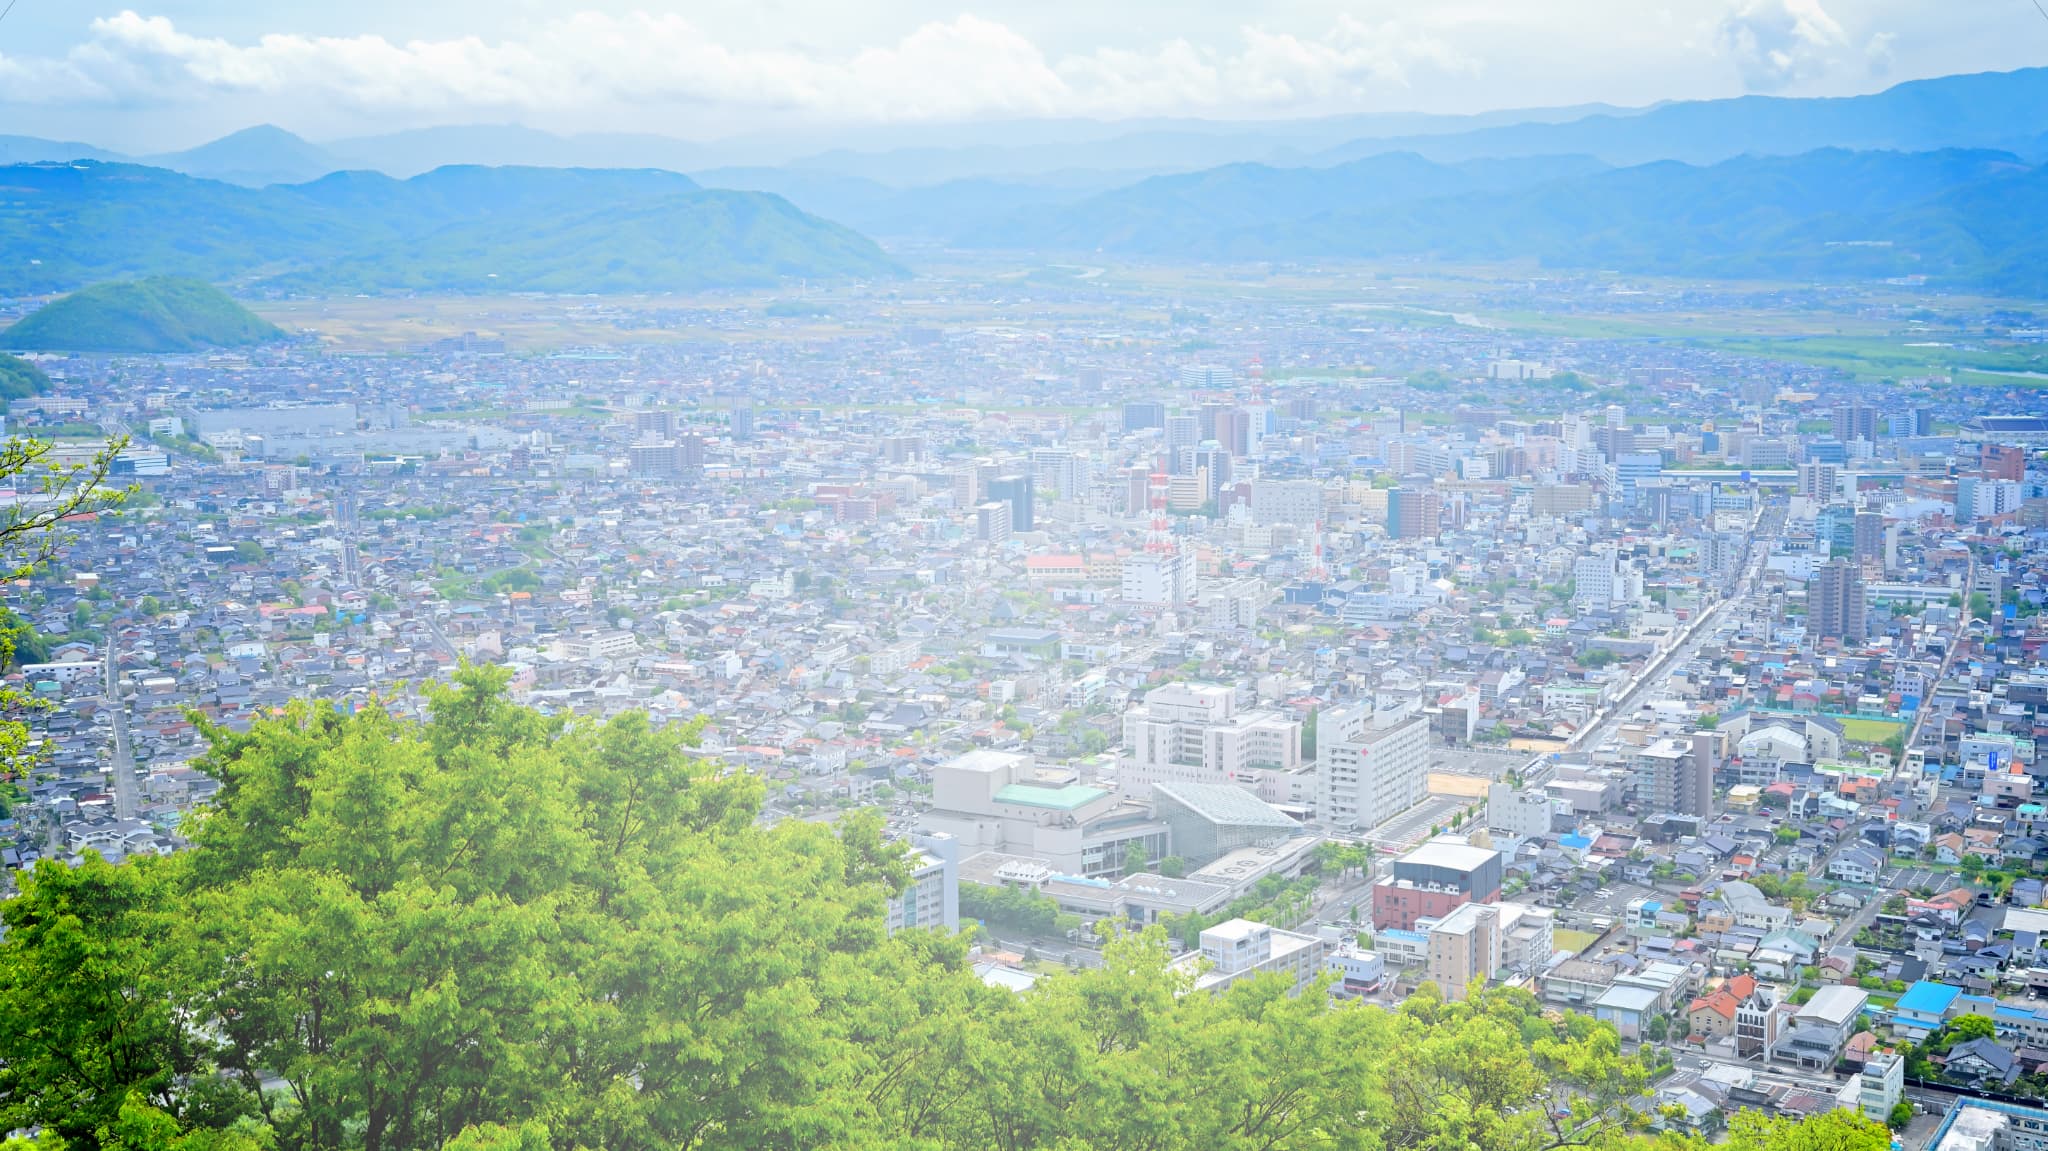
1160	536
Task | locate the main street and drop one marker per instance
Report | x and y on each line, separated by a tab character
1658	670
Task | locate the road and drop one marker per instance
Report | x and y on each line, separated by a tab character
1659	669
126	803
1947	659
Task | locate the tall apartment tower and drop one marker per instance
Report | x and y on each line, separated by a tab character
1836	606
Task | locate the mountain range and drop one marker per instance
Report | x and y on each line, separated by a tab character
1983	110
455	229
1967	218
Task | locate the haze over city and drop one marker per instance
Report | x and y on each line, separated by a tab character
1342	577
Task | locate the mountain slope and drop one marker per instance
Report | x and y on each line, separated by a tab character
160	314
496	228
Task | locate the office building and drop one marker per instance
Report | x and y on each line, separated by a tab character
1434	880
1521	814
1836	606
1366	773
1019	493
741	423
1194	733
1140	415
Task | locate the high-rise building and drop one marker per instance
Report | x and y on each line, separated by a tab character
1836	606
1213	463
1468	946
1868	545
1855	420
1182	431
742	423
1142	414
1818	481
1414	513
992	522
1366	774
1059	470
1019	493
1675	775
1193	733
655	426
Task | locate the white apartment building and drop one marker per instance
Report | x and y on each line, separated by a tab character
1193	733
1522	814
1298	502
1367	773
1159	577
1239	949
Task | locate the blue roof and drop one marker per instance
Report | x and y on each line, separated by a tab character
1398	933
1924	998
1574	841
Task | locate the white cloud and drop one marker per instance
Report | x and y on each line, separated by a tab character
1780	43
943	70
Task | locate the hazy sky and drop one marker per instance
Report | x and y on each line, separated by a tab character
180	71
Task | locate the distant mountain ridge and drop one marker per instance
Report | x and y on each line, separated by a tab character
456	229
1965	218
1979	110
158	314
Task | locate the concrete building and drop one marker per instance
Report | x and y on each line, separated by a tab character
1238	949
1366	774
1414	513
1818	1031
933	897
1003	801
1881	1083
1521	814
1297	502
1477	941
1193	733
1159	578
1434	880
1836	606
1675	774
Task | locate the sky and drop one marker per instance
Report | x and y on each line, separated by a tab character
179	72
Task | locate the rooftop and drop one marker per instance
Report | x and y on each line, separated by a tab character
1450	856
1226	803
1053	798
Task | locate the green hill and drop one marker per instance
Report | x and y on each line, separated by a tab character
457	228
159	314
20	379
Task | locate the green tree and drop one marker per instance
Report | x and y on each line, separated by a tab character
1173	867
1135	859
1901	1116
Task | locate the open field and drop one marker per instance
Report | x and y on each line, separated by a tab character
1574	941
1871	730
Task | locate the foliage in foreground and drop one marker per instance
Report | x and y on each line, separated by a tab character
497	932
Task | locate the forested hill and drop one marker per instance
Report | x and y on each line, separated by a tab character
455	229
495	931
159	314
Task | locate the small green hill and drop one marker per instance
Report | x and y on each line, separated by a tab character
20	379
157	314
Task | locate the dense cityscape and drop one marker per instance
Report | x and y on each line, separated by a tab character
1693	691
